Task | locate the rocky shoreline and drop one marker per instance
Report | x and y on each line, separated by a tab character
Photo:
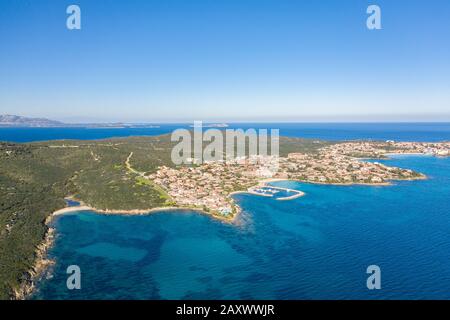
43	263
40	267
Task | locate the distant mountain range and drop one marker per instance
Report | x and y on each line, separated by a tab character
14	121
18	121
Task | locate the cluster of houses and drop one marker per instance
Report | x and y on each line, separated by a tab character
208	186
328	167
379	149
441	149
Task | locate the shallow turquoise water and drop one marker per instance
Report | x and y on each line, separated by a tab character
317	246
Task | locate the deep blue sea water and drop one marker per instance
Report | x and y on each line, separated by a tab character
325	131
314	247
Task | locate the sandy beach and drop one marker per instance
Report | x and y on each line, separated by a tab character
85	207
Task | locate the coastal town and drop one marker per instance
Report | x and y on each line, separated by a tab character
368	149
208	186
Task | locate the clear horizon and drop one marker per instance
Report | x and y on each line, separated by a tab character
400	121
226	61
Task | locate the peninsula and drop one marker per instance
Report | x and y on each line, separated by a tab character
136	175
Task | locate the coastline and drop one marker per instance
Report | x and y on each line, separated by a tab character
407	154
43	263
266	183
387	183
84	207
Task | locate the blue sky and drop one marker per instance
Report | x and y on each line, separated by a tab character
226	60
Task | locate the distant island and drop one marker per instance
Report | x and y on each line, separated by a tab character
8	120
14	121
214	125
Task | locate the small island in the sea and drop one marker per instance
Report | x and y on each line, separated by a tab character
135	175
15	121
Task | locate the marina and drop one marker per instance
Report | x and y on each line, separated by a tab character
278	193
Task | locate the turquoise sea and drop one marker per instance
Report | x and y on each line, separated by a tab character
314	247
